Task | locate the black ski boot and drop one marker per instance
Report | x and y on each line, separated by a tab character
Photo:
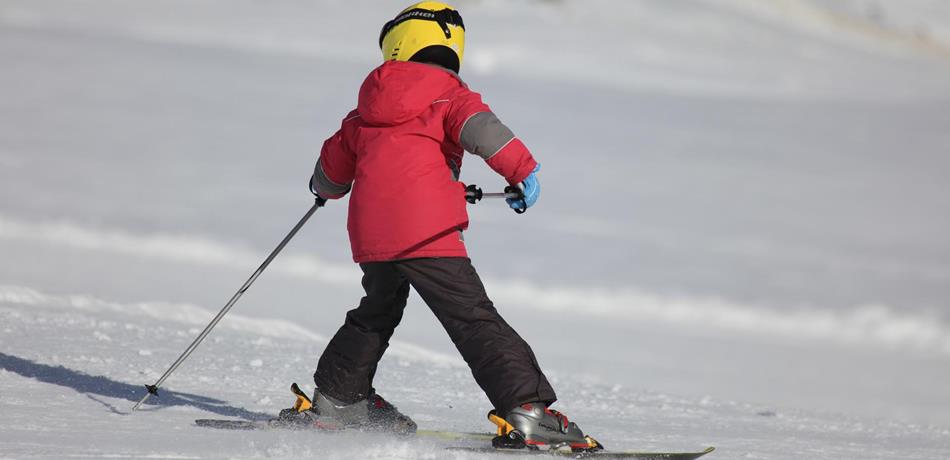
534	426
324	412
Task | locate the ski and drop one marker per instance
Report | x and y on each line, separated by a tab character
589	454
225	424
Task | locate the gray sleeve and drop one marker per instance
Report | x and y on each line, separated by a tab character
484	134
326	187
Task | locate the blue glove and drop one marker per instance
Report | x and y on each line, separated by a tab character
531	189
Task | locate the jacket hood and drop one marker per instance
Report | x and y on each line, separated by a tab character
399	91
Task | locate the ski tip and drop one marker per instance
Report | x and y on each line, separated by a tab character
703	452
630	455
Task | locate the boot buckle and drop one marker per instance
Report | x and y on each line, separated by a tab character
302	403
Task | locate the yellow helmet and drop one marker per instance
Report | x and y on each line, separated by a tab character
425	32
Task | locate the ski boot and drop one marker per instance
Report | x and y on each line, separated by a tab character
301	416
324	412
536	427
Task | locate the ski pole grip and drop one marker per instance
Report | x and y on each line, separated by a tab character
515	193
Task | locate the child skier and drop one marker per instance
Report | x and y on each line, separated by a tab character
400	153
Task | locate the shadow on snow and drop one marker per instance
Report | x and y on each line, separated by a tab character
91	385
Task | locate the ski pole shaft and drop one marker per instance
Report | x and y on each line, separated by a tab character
153	389
513	196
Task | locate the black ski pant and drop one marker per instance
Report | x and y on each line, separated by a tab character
501	361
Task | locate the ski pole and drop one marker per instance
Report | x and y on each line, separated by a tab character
153	389
474	194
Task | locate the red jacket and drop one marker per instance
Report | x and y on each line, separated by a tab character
401	151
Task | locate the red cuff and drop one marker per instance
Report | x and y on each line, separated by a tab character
514	162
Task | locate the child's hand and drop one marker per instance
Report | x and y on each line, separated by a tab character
530	188
319	198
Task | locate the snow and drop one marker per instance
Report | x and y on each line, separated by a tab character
58	380
869	324
764	267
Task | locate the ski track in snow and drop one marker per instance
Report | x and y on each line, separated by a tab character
922	28
875	325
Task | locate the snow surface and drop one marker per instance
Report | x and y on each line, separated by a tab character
764	267
70	363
